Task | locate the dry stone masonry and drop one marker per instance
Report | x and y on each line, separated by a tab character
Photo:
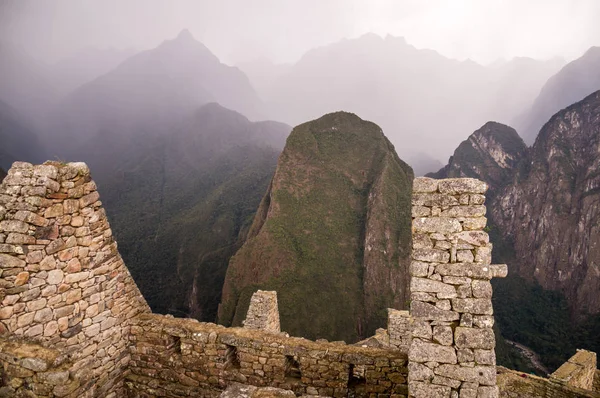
73	323
63	285
452	349
263	313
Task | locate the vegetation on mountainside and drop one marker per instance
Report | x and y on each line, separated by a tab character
181	207
309	245
535	317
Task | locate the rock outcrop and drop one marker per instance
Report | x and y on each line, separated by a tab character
332	234
551	211
489	154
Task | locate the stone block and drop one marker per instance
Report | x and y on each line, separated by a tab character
481	289
470	211
425	184
483	375
419	372
427	311
444	225
421	351
431	255
476	306
431	286
456	186
475	238
425	390
470	270
474	338
443	335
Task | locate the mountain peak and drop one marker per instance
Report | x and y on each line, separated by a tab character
185	34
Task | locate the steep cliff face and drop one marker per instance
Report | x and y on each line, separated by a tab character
489	154
332	234
551	211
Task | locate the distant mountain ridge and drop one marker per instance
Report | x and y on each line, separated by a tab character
151	91
412	93
573	82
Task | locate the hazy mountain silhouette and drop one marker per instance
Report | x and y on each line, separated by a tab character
25	83
573	82
18	140
86	65
424	101
150	91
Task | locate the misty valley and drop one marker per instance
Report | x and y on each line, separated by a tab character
221	180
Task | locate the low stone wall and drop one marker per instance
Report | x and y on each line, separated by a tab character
596	386
32	370
63	284
515	384
182	357
578	371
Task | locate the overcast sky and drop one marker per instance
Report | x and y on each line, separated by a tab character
282	30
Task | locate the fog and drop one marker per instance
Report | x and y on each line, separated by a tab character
428	72
240	30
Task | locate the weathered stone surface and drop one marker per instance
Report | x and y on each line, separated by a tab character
470	270
427	311
474	338
419	268
421	351
426	390
443	335
419	372
456	186
471	211
485	357
8	261
425	184
431	286
473	306
444	225
429	200
475	238
484	375
481	289
488	392
431	255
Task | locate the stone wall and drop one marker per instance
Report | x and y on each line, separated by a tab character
263	312
578	371
452	348
515	384
182	357
63	284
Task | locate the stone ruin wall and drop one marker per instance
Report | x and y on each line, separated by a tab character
183	357
263	312
66	295
73	323
452	348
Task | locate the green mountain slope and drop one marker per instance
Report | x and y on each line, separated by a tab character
332	234
180	205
